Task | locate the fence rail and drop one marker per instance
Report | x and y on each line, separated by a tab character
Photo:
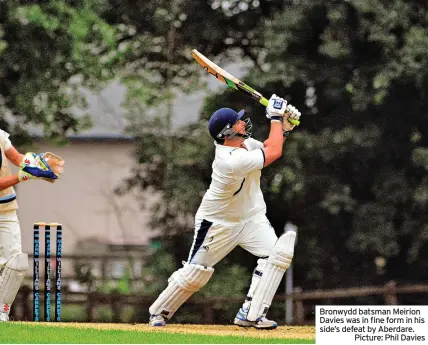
302	300
86	257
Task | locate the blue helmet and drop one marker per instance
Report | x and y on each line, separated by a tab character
221	122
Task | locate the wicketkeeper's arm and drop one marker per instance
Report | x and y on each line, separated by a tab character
14	156
8	181
24	174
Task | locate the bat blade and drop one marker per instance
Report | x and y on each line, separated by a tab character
224	76
230	80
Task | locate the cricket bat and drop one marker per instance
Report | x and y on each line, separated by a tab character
231	81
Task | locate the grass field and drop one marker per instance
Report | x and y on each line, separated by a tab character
77	333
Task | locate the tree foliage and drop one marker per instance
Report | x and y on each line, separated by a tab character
367	121
354	174
48	50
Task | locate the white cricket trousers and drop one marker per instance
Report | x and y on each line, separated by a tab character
10	236
212	242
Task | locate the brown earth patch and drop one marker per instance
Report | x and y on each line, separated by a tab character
286	332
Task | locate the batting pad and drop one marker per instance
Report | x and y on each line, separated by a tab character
12	276
182	284
277	264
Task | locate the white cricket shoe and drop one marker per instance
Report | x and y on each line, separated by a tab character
260	323
4	317
157	321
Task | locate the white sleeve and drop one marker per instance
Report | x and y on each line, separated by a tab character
244	162
253	144
4	137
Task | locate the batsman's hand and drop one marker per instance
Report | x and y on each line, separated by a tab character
276	107
291	113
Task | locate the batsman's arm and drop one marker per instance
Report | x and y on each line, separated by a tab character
283	140
274	143
279	114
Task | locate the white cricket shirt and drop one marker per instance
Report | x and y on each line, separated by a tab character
7	195
4	140
234	195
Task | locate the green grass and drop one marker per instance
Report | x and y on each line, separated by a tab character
43	334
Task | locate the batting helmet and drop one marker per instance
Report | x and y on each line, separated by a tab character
221	122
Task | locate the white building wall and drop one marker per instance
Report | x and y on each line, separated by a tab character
83	199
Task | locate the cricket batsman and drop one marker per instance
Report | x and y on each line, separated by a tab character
233	213
14	263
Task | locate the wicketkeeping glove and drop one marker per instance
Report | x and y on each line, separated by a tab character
30	158
52	161
41	166
28	171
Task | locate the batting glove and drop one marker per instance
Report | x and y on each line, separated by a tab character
276	108
291	113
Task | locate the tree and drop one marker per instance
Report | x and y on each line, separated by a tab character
353	176
157	64
48	50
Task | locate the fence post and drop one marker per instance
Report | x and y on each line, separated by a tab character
300	310
14	314
21	306
104	264
390	296
90	307
115	306
209	313
25	300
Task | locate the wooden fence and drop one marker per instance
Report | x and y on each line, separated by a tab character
303	301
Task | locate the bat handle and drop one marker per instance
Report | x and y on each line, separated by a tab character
264	101
294	122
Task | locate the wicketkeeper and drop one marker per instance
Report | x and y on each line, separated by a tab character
233	213
14	263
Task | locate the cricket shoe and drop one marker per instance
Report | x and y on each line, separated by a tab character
4	317
157	321
260	323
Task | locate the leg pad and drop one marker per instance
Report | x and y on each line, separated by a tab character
277	263
11	277
182	284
